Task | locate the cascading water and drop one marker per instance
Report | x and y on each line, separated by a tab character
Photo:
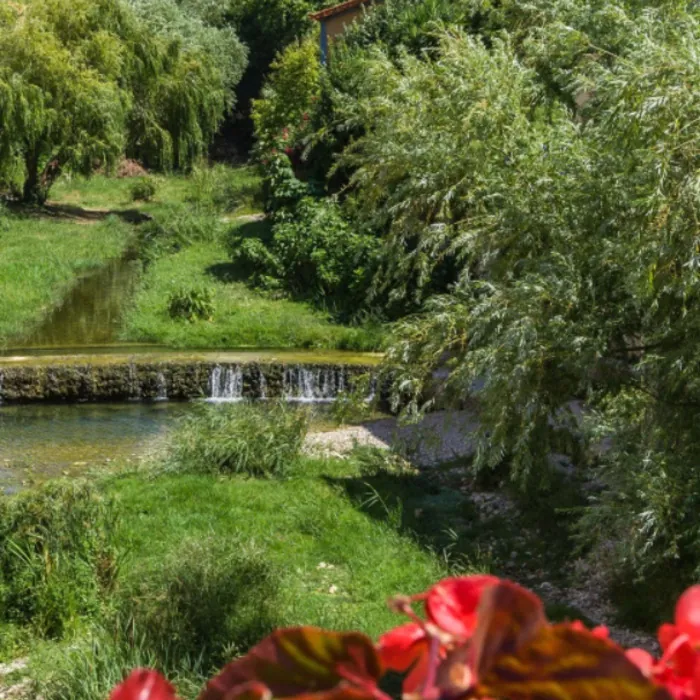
226	384
313	385
161	387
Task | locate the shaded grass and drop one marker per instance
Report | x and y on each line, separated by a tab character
242	317
40	261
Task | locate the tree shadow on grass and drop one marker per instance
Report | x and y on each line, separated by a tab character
228	272
75	214
433	508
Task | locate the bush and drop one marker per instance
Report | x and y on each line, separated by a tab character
253	439
210	598
143	189
58	556
314	254
191	304
226	189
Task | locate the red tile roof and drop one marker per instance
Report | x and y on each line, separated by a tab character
337	9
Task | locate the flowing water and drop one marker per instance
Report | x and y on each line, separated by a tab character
74	398
91	314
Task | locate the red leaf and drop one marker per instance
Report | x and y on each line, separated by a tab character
304	661
560	663
452	604
143	684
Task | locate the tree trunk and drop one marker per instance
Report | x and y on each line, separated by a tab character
32	192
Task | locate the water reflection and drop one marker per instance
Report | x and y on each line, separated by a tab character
93	310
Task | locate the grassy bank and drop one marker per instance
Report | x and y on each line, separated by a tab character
225	534
213	564
40	261
194	216
241	316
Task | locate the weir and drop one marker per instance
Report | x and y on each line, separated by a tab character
179	379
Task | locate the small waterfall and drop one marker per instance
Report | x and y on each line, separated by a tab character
313	385
134	384
161	387
261	379
226	384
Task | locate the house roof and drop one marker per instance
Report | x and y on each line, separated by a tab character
337	9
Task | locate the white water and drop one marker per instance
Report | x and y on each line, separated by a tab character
226	384
162	387
316	385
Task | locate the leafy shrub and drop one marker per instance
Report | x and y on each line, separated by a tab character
191	304
253	439
314	254
223	188
58	556
211	599
143	189
282	114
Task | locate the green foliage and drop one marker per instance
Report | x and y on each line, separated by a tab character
530	171
191	304
175	229
314	254
209	598
143	189
58	557
249	439
81	82
225	189
281	115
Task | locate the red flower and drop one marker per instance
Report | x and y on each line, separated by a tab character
406	647
451	610
144	684
452	604
678	670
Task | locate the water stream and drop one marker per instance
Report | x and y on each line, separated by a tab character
92	312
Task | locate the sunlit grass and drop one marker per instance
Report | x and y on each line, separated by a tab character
242	316
40	261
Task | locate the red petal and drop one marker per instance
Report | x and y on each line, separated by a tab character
452	603
667	633
143	684
688	614
401	647
601	631
643	660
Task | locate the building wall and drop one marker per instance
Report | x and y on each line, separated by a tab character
336	25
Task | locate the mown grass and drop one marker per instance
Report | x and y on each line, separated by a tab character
40	260
242	316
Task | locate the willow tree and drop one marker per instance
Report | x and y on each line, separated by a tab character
82	81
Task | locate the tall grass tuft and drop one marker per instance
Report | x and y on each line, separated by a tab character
58	557
206	603
252	439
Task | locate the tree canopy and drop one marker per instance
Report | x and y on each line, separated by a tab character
83	81
531	172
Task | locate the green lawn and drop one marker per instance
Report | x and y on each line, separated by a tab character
242	316
216	563
40	261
